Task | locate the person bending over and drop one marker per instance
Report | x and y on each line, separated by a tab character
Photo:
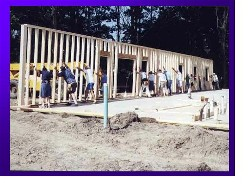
68	76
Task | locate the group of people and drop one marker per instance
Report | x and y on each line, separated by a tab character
66	73
147	83
165	82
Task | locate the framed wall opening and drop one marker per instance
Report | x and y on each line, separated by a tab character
206	73
195	73
144	66
125	75
181	68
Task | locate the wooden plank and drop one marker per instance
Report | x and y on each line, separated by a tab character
104	53
111	80
129	49
143	52
166	61
126	56
105	46
168	64
133	52
42	57
138	66
176	65
160	61
49	50
97	62
109	69
148	63
156	69
77	63
54	65
126	49
60	64
171	70
81	66
43	48
115	70
123	48
101	45
184	72
92	57
66	61
21	78
35	64
175	75
119	48
163	60
72	56
28	67
88	52
134	78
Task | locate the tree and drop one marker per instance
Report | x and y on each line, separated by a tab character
198	31
223	33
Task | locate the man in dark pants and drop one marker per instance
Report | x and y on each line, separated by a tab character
187	82
70	80
199	81
45	91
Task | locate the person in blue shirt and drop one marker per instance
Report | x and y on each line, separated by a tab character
45	91
69	77
103	79
151	78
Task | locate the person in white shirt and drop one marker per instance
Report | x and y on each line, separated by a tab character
89	82
179	80
162	83
215	82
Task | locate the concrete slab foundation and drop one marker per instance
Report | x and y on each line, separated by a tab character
176	109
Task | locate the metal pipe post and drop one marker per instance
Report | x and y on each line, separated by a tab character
105	101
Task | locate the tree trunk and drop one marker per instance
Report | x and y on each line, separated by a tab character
54	17
118	23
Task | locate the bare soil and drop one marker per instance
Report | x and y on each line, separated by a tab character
54	142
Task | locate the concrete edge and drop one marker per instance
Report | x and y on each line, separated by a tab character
51	111
222	126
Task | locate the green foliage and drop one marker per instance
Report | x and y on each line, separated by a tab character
199	31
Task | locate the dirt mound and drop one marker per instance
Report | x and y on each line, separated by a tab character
200	167
65	115
147	120
203	167
123	120
193	140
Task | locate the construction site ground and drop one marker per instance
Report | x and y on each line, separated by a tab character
66	142
176	109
